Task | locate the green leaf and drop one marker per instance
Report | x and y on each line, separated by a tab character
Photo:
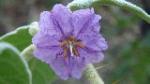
13	67
19	38
41	72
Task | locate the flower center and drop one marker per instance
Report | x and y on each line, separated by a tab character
70	45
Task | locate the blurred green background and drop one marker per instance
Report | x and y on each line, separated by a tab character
127	61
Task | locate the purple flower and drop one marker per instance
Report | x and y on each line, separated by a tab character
69	40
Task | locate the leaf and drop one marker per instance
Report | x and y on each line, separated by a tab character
13	68
42	74
19	38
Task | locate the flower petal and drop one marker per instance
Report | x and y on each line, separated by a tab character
85	20
53	57
77	66
60	66
91	56
42	40
47	25
62	16
93	41
46	54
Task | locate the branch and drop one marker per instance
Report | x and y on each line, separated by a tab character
77	4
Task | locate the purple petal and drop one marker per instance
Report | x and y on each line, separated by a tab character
45	54
62	16
85	20
60	66
41	40
93	41
53	57
77	66
47	25
91	56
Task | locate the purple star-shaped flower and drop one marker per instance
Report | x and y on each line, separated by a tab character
68	41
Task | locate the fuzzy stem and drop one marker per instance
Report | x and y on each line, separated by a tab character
92	75
27	52
77	4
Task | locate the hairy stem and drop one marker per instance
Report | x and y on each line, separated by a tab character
92	75
77	4
27	52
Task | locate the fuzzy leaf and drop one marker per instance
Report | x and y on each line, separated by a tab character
19	38
13	67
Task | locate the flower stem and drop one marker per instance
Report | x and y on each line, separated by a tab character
77	4
92	75
27	52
